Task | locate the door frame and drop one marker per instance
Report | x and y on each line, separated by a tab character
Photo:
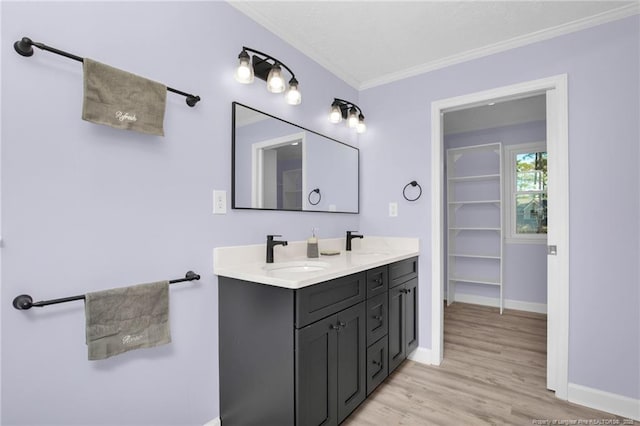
558	268
257	164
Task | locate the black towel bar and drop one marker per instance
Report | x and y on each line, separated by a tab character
24	301
25	48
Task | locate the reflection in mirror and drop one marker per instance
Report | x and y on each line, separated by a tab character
276	165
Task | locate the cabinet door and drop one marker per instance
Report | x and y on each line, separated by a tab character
411	315
377	318
397	333
317	373
352	351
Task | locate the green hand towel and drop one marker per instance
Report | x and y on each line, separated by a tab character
122	100
122	319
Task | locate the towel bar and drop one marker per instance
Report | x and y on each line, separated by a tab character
24	301
25	48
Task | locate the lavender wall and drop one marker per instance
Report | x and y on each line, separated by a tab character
86	207
602	64
525	265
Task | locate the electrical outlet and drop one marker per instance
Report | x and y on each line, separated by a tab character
393	209
219	202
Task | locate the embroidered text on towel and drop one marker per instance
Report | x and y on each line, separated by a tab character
129	339
125	116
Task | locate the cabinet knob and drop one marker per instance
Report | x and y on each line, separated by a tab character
377	317
375	362
378	280
338	327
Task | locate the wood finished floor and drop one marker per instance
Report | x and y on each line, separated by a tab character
493	373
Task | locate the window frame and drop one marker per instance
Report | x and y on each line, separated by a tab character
509	194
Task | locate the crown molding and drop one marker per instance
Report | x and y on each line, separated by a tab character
570	27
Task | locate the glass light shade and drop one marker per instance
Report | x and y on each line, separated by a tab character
335	116
352	119
293	95
361	127
244	72
275	82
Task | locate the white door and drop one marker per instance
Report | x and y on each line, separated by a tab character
557	245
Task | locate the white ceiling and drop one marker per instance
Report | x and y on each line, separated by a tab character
368	43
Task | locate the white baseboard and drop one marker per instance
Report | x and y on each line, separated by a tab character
214	422
604	401
540	308
421	355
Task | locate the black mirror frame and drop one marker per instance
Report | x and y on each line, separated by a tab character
233	163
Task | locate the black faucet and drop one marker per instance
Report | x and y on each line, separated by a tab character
350	236
270	244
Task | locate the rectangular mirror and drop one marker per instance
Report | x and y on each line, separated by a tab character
277	165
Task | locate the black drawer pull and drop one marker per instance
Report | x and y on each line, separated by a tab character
341	324
378	281
405	290
375	362
377	317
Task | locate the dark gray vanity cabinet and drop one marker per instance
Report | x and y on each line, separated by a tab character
304	356
403	311
330	367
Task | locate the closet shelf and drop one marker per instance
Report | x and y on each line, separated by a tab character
474	178
476	256
475	228
454	203
475	280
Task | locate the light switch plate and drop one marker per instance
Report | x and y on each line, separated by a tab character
219	202
393	209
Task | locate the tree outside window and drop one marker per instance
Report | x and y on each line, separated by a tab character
526	192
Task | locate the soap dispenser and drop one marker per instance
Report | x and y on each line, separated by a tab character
312	245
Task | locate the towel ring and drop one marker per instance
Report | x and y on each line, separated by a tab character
317	191
412	183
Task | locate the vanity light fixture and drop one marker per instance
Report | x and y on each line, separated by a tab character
269	69
341	109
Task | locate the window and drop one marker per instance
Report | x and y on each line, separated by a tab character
526	193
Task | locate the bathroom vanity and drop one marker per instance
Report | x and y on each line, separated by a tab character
304	342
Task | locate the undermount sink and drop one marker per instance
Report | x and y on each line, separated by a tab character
297	266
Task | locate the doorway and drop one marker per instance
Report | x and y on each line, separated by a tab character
555	89
278	177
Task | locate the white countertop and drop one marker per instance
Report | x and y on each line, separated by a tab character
248	262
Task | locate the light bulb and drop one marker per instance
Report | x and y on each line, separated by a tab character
293	95
361	127
244	72
352	120
335	116
275	82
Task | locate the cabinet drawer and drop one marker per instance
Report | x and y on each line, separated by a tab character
403	271
377	281
320	300
377	317
377	367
